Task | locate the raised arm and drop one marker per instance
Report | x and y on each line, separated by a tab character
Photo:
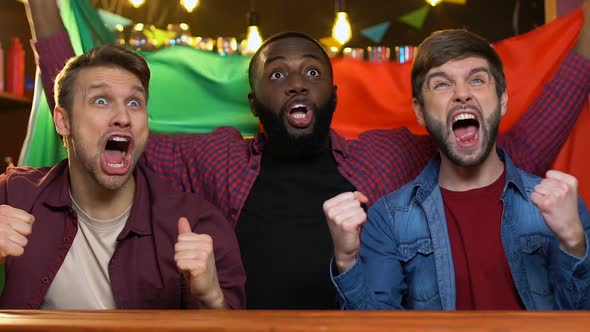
51	42
536	139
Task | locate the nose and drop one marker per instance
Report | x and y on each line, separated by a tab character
121	117
296	85
462	93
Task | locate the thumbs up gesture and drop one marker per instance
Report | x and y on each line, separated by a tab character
194	257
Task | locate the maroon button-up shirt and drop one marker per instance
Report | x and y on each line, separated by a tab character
142	271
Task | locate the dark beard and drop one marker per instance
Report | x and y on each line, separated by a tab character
438	132
280	144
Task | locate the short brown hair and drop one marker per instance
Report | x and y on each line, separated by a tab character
454	44
108	56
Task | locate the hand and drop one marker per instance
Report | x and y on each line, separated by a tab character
194	258
345	218
583	43
15	226
557	198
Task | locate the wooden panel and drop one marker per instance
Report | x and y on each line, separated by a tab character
10	101
13	128
14	110
164	321
550	10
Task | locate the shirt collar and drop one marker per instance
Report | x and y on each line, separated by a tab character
58	188
339	144
428	179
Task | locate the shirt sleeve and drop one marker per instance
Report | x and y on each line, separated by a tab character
536	139
572	276
376	280
167	156
52	54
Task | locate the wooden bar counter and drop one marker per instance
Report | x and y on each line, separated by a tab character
325	321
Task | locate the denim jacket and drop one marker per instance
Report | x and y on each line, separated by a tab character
405	260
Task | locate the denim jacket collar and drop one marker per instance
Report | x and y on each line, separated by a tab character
427	181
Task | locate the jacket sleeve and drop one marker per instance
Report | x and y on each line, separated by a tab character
571	277
228	261
376	281
535	140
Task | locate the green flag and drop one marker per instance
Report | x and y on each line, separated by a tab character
191	90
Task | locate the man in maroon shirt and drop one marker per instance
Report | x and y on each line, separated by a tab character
98	231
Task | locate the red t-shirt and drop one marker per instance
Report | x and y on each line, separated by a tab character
482	276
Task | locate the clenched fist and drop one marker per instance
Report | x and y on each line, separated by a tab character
557	198
194	258
15	226
345	216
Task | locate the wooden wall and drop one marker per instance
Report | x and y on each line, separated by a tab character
14	116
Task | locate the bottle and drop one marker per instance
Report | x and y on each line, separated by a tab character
1	68
15	68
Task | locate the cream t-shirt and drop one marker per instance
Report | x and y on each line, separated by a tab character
82	281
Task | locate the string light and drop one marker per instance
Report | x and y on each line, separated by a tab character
189	5
253	37
137	3
434	2
341	31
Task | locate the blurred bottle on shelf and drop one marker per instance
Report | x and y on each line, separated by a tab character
15	68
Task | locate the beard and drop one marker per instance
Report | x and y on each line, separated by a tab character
440	134
91	163
282	144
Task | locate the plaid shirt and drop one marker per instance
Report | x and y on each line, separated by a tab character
222	166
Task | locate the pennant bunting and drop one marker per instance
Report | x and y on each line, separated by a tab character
376	32
416	18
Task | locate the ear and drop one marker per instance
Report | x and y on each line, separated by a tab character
419	111
61	121
503	103
251	97
335	91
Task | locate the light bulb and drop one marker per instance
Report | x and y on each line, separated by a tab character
341	32
434	2
253	40
137	3
189	5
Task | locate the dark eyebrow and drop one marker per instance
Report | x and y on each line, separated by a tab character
281	57
444	75
478	70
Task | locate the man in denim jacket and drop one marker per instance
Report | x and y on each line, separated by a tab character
471	231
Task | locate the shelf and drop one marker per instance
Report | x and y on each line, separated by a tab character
10	101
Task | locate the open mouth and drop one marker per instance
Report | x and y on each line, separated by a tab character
465	127
300	115
116	157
